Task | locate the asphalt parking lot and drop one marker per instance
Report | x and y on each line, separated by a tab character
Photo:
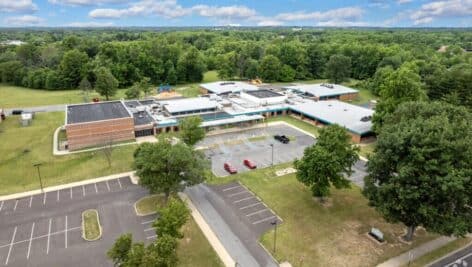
255	145
248	207
45	229
461	258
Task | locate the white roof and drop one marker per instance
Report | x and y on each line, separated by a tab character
236	119
322	89
189	104
337	112
222	87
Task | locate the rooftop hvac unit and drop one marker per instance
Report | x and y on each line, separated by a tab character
327	85
366	118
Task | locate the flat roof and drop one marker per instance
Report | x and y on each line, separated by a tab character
338	112
189	104
322	89
91	112
224	87
142	118
263	93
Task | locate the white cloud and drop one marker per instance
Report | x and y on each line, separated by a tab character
227	12
90	24
401	2
167	9
24	6
269	22
85	2
345	13
448	8
341	23
26	20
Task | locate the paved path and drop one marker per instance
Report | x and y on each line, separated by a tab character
417	252
50	108
239	241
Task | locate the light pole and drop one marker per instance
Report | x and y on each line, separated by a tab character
272	162
37	165
275	234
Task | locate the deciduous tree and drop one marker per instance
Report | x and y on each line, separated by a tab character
190	130
106	84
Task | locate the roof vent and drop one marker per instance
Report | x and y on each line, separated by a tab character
366	118
327	85
227	83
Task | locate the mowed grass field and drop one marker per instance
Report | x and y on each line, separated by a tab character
21	147
323	235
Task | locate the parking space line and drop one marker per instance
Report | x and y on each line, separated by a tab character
43	236
44	198
250	206
31	201
49	235
460	260
1	206
71	193
242	199
153	236
30	241
230	188
239	193
257	212
146	222
65	234
265	219
108	185
11	245
57	199
119	183
96	189
16	204
149	229
83	190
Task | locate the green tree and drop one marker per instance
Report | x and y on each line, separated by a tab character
227	65
85	86
171	218
145	86
164	167
251	69
190	130
287	74
171	77
269	68
338	68
106	84
191	66
399	86
120	250
327	162
420	173
71	68
133	92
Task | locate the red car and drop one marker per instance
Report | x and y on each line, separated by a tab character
230	168
249	164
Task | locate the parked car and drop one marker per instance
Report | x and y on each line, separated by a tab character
229	168
17	112
282	138
249	164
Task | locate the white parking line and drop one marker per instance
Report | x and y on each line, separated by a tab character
71	193
251	205
242	199
31	201
49	235
57	199
1	206
83	190
30	241
149	229
65	234
108	185
460	260
11	245
119	183
239	193
43	236
257	212
230	188
150	237
146	222
44	198
96	189
265	219
16	204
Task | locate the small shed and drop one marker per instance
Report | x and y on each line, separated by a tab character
26	119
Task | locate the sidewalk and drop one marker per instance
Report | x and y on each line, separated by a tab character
417	252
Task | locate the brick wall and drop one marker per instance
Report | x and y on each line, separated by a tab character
346	97
82	135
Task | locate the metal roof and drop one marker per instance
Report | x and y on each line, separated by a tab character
337	112
91	112
224	87
189	104
322	89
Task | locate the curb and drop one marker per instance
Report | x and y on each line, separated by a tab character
136	209
99	226
450	253
64	186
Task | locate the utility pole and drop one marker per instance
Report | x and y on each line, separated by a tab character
37	165
275	234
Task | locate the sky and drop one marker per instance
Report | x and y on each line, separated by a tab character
328	13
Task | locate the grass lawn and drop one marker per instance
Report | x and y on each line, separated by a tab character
367	149
150	204
23	146
317	235
210	76
440	252
297	123
18	97
364	97
91	225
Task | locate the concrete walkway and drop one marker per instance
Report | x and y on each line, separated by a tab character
50	108
417	252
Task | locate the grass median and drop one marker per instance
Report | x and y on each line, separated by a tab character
91	229
149	205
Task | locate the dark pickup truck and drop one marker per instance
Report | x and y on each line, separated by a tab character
282	138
